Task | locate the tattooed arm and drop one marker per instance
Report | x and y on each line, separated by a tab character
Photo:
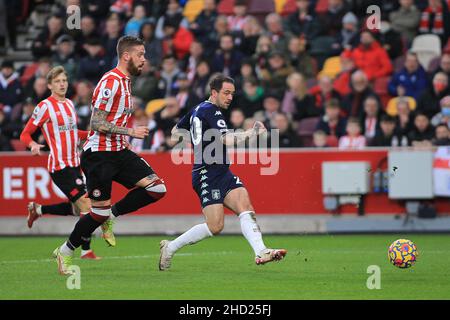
100	124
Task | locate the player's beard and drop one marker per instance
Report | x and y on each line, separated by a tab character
132	69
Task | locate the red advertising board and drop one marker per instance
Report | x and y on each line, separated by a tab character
294	188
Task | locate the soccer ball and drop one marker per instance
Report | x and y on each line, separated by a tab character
403	253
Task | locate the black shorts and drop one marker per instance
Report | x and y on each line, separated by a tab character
70	181
103	167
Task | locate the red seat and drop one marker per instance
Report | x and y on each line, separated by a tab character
380	86
225	7
289	7
258	7
321	6
332	141
306	128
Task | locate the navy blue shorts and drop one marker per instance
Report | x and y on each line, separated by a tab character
212	186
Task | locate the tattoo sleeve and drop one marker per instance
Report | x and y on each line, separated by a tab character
99	123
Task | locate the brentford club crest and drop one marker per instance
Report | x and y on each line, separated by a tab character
96	193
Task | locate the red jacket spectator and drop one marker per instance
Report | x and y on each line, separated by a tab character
182	42
370	57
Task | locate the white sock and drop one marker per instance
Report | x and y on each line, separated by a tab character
193	235
65	250
39	210
251	231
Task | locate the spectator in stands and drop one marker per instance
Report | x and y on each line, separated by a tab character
250	35
228	59
299	57
237	119
370	120
95	64
155	138
190	61
331	20
40	90
429	99
390	40
123	7
45	43
250	99
133	25
5	144
353	103
212	41
169	74
275	31
88	32
238	19
43	67
264	47
145	86
173	16
168	117
348	37
435	19
354	139
302	21
177	39
274	77
444	65
296	90
271	104
65	56
113	31
204	22
98	9
405	122
10	87
444	115
320	139
441	135
371	58
391	108
332	123
422	132
82	103
385	137
247	71
341	82
324	92
411	80
153	46
186	99
201	80
406	19
288	138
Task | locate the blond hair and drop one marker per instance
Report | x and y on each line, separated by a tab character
53	73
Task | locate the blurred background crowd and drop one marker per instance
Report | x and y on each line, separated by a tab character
324	72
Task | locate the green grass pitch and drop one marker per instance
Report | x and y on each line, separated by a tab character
316	267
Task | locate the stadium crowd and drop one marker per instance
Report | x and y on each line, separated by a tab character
313	69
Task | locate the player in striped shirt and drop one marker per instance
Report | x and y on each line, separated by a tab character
106	156
57	119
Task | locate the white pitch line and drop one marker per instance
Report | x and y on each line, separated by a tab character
117	257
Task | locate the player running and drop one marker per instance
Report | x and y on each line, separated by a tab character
212	180
57	119
105	156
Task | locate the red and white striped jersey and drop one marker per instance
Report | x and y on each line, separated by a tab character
112	94
58	121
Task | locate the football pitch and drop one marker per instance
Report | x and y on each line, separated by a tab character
316	267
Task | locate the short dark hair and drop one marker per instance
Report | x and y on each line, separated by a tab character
218	81
442	125
387	118
126	42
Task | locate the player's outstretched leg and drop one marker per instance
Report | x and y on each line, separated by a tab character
238	201
36	210
214	224
82	232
